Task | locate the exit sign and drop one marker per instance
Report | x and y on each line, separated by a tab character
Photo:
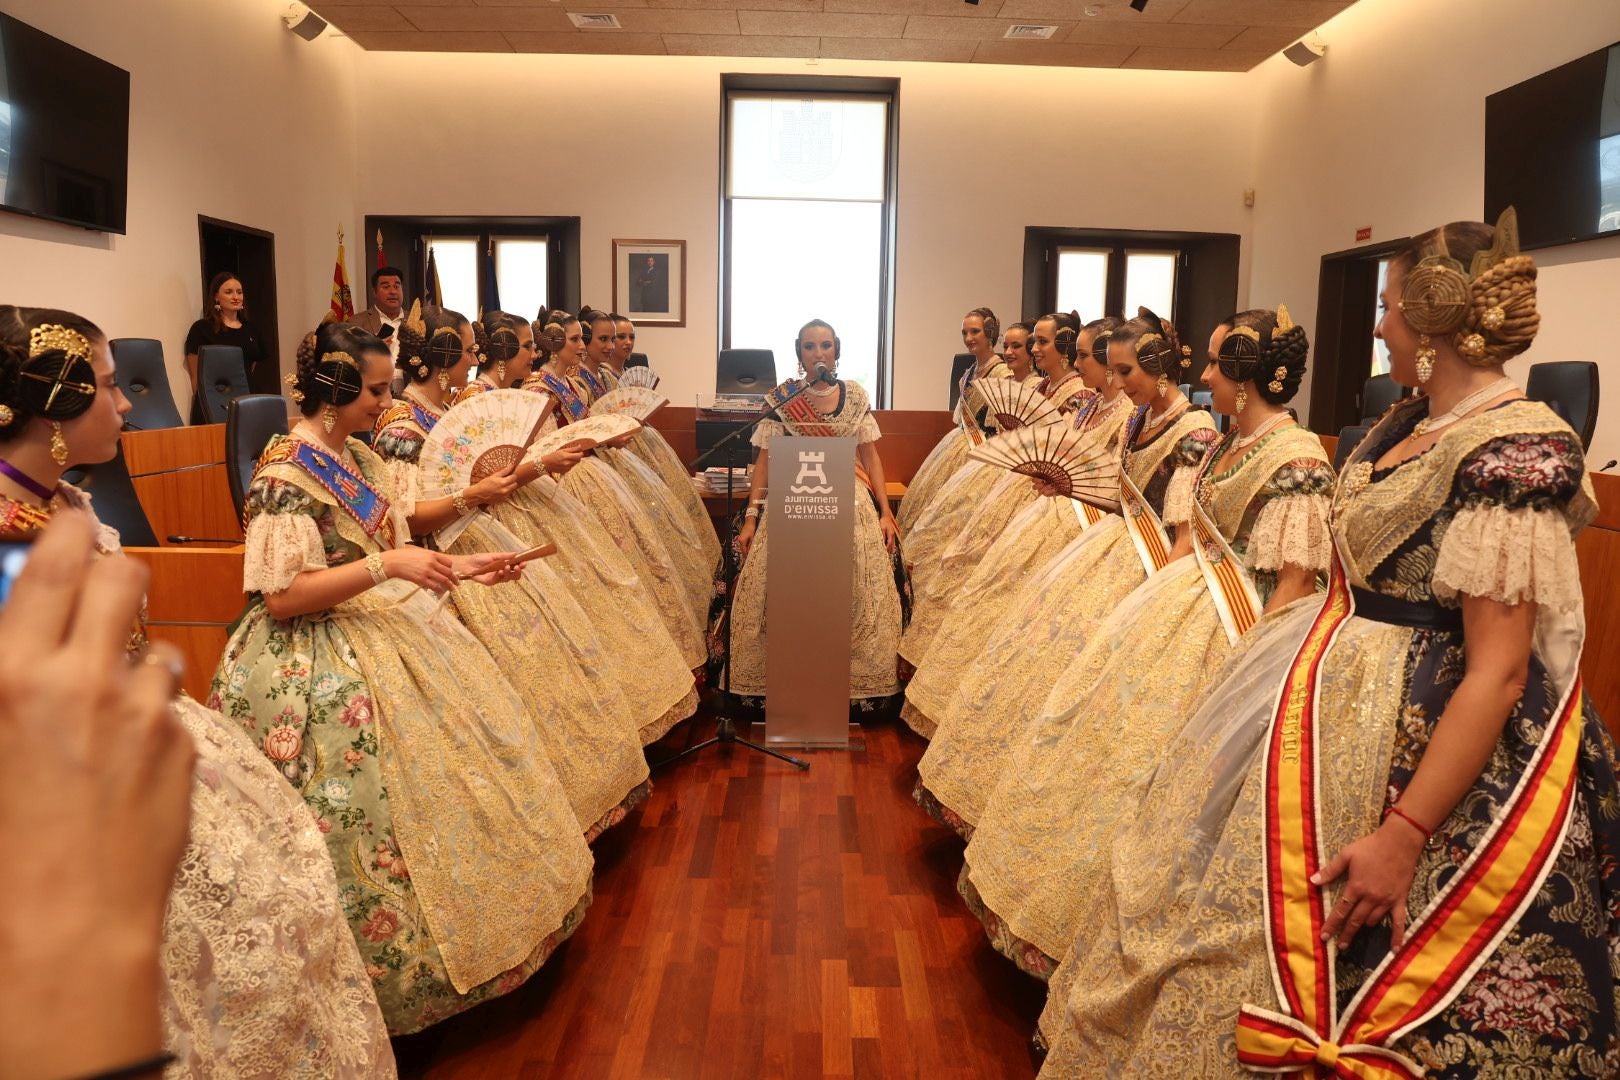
1364	233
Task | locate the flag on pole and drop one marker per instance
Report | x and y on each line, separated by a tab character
381	262
432	291
342	299
488	288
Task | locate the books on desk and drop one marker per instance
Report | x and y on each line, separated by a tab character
713	482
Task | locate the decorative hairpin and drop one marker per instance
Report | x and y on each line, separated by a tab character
292	387
52	337
1276	384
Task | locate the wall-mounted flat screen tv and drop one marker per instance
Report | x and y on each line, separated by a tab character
1552	150
64	130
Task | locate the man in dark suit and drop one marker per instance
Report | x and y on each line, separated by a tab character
387	306
650	286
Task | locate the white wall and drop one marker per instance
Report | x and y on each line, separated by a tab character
1388	130
470	139
231	117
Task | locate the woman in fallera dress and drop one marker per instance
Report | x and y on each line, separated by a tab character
1251	536
1459	907
460	863
592	740
1049	618
878	595
261	976
1034	536
980	332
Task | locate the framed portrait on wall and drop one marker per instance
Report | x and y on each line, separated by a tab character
649	281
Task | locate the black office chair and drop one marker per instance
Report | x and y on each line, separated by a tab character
221	378
959	366
1378	394
1349	439
1570	387
250	421
745	371
1205	400
113	498
637	359
145	381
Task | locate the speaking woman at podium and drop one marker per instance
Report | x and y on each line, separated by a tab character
828	406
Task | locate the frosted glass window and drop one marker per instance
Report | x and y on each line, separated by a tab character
1150	282
797	260
1082	281
807	147
520	275
457	261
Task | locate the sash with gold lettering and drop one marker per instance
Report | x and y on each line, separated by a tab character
353	493
1445	944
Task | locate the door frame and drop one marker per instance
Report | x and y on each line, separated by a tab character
265	313
1346	314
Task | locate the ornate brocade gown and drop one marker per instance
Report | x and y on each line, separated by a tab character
460	863
593	742
951	452
1045	624
1178	942
1043	837
875	616
261	978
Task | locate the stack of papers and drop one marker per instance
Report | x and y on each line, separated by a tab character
713	482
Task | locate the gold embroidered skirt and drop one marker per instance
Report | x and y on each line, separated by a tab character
948	455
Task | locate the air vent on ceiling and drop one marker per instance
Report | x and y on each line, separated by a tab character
1025	31
595	22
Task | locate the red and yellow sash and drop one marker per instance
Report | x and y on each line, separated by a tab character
1230	585
1143	525
798	410
1445	944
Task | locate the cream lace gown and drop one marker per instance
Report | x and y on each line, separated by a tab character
951	452
1043	838
1176	943
460	862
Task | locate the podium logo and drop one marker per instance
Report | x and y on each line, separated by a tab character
812	479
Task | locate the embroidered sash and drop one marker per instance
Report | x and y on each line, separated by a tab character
1141	522
1086	514
1230	586
589	378
1445	945
565	395
353	493
404	407
798	412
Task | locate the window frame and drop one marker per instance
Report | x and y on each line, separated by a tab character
410	233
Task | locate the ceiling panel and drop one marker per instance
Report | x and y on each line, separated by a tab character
1182	35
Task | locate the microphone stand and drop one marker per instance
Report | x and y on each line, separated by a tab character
726	730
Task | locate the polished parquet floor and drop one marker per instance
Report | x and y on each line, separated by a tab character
754	921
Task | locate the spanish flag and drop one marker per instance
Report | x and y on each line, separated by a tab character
342	299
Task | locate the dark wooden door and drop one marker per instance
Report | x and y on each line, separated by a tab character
250	254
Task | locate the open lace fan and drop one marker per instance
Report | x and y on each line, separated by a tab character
639	376
483	435
1079	466
1016	405
591	431
637	401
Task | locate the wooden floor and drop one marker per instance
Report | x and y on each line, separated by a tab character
754	921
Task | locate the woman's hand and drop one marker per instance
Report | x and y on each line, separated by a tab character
1380	867
891	532
496	488
432	570
558	462
622	441
487	568
745	536
1044	487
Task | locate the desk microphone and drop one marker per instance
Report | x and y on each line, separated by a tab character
823	375
202	540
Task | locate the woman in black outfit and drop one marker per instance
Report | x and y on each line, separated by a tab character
224	322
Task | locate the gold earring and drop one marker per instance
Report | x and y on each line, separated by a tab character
444	379
1425	359
329	419
1164	385
59	450
500	372
1242	399
6	415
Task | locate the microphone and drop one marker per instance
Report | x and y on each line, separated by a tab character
1612	463
823	375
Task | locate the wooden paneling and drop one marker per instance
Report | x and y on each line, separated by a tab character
751	920
193	596
1598	548
179	475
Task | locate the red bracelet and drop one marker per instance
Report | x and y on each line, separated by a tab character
1410	820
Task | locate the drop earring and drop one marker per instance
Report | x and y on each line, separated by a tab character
1164	385
444	379
1242	399
59	449
1425	359
500	373
329	419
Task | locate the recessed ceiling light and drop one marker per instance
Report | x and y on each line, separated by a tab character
1023	31
595	22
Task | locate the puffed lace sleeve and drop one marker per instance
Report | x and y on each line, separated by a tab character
766	431
1185	459
867	431
283	536
1292	526
400	448
1511	539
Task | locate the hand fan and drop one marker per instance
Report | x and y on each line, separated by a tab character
1016	405
589	432
636	401
484	435
639	376
1075	462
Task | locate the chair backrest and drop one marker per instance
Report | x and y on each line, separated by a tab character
221	377
959	365
637	359
1571	388
250	421
144	379
1377	394
113	498
1349	439
745	371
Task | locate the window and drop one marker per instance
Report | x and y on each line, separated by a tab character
1150	282
806	224
457	263
1082	280
520	273
1112	276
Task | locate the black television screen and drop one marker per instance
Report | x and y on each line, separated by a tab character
1552	151
64	130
